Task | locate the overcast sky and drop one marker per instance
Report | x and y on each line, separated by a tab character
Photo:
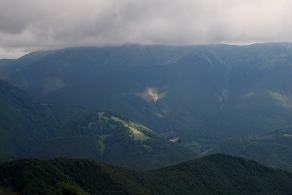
28	25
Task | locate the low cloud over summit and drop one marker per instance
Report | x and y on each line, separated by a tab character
27	25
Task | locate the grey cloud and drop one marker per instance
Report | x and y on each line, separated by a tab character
27	25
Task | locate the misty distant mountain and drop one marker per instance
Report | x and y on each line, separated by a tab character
217	174
198	93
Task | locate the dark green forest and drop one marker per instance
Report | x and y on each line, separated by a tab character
216	174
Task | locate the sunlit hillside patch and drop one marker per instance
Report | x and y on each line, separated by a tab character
249	94
151	94
158	114
282	99
288	135
134	129
102	116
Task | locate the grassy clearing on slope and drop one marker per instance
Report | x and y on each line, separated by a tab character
133	130
281	99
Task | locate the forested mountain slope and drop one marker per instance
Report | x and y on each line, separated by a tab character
31	129
217	174
195	92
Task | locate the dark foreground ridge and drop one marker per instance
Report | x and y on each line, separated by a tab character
215	174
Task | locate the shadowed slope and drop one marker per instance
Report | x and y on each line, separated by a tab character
217	174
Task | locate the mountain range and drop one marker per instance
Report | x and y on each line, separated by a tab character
156	115
202	94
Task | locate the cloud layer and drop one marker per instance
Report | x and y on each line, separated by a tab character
27	25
